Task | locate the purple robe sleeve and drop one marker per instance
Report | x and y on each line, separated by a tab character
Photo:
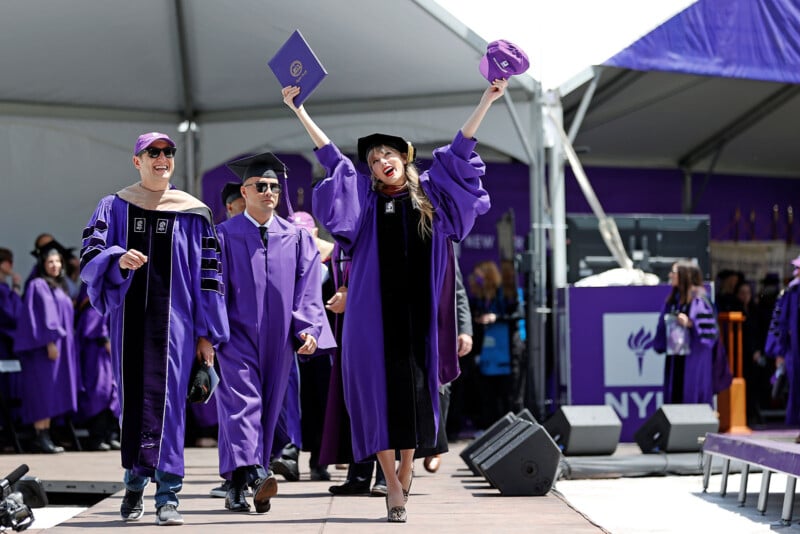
339	200
211	317
308	312
106	283
93	326
777	343
39	322
453	185
704	321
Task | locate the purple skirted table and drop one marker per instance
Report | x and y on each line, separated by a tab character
773	451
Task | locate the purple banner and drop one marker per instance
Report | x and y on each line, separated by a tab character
611	360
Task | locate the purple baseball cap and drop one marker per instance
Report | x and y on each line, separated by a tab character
303	219
503	59
145	140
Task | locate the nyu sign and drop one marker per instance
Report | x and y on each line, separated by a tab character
612	360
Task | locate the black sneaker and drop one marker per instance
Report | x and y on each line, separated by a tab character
132	507
168	515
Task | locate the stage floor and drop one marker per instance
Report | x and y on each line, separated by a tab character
450	501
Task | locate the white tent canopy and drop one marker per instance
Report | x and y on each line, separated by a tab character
81	79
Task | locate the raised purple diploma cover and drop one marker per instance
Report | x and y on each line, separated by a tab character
296	64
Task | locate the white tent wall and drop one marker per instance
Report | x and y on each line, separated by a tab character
54	172
219	141
86	78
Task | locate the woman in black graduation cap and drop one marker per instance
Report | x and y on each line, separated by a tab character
44	343
399	338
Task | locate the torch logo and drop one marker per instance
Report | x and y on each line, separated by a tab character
640	342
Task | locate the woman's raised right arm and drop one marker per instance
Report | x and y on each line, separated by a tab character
315	132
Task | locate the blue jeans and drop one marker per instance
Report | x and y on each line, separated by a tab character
168	486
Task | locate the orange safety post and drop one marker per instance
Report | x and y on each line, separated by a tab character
732	403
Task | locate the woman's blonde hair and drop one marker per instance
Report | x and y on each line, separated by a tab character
418	197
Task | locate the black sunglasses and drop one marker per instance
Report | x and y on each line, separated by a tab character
262	187
153	152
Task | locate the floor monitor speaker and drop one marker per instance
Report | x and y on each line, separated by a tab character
585	429
676	428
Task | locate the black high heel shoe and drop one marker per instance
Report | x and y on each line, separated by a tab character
395	514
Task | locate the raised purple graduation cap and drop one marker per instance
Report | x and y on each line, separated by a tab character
502	60
266	165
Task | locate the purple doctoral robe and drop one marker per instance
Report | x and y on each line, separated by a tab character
10	307
288	429
273	295
698	377
345	204
157	312
783	340
99	392
48	388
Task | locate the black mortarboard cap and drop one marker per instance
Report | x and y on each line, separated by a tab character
365	144
199	383
44	250
230	192
266	164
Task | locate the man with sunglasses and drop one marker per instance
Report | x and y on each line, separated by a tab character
150	259
271	270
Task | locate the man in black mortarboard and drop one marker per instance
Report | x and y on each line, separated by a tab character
232	198
274	303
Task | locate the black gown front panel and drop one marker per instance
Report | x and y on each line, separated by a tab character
404	259
146	333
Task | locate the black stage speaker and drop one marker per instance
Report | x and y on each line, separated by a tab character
585	429
676	427
522	460
492	445
481	440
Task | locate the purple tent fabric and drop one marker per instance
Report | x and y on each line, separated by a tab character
724	38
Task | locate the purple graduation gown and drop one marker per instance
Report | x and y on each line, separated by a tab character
274	294
99	391
345	205
48	388
782	340
10	307
698	382
157	313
